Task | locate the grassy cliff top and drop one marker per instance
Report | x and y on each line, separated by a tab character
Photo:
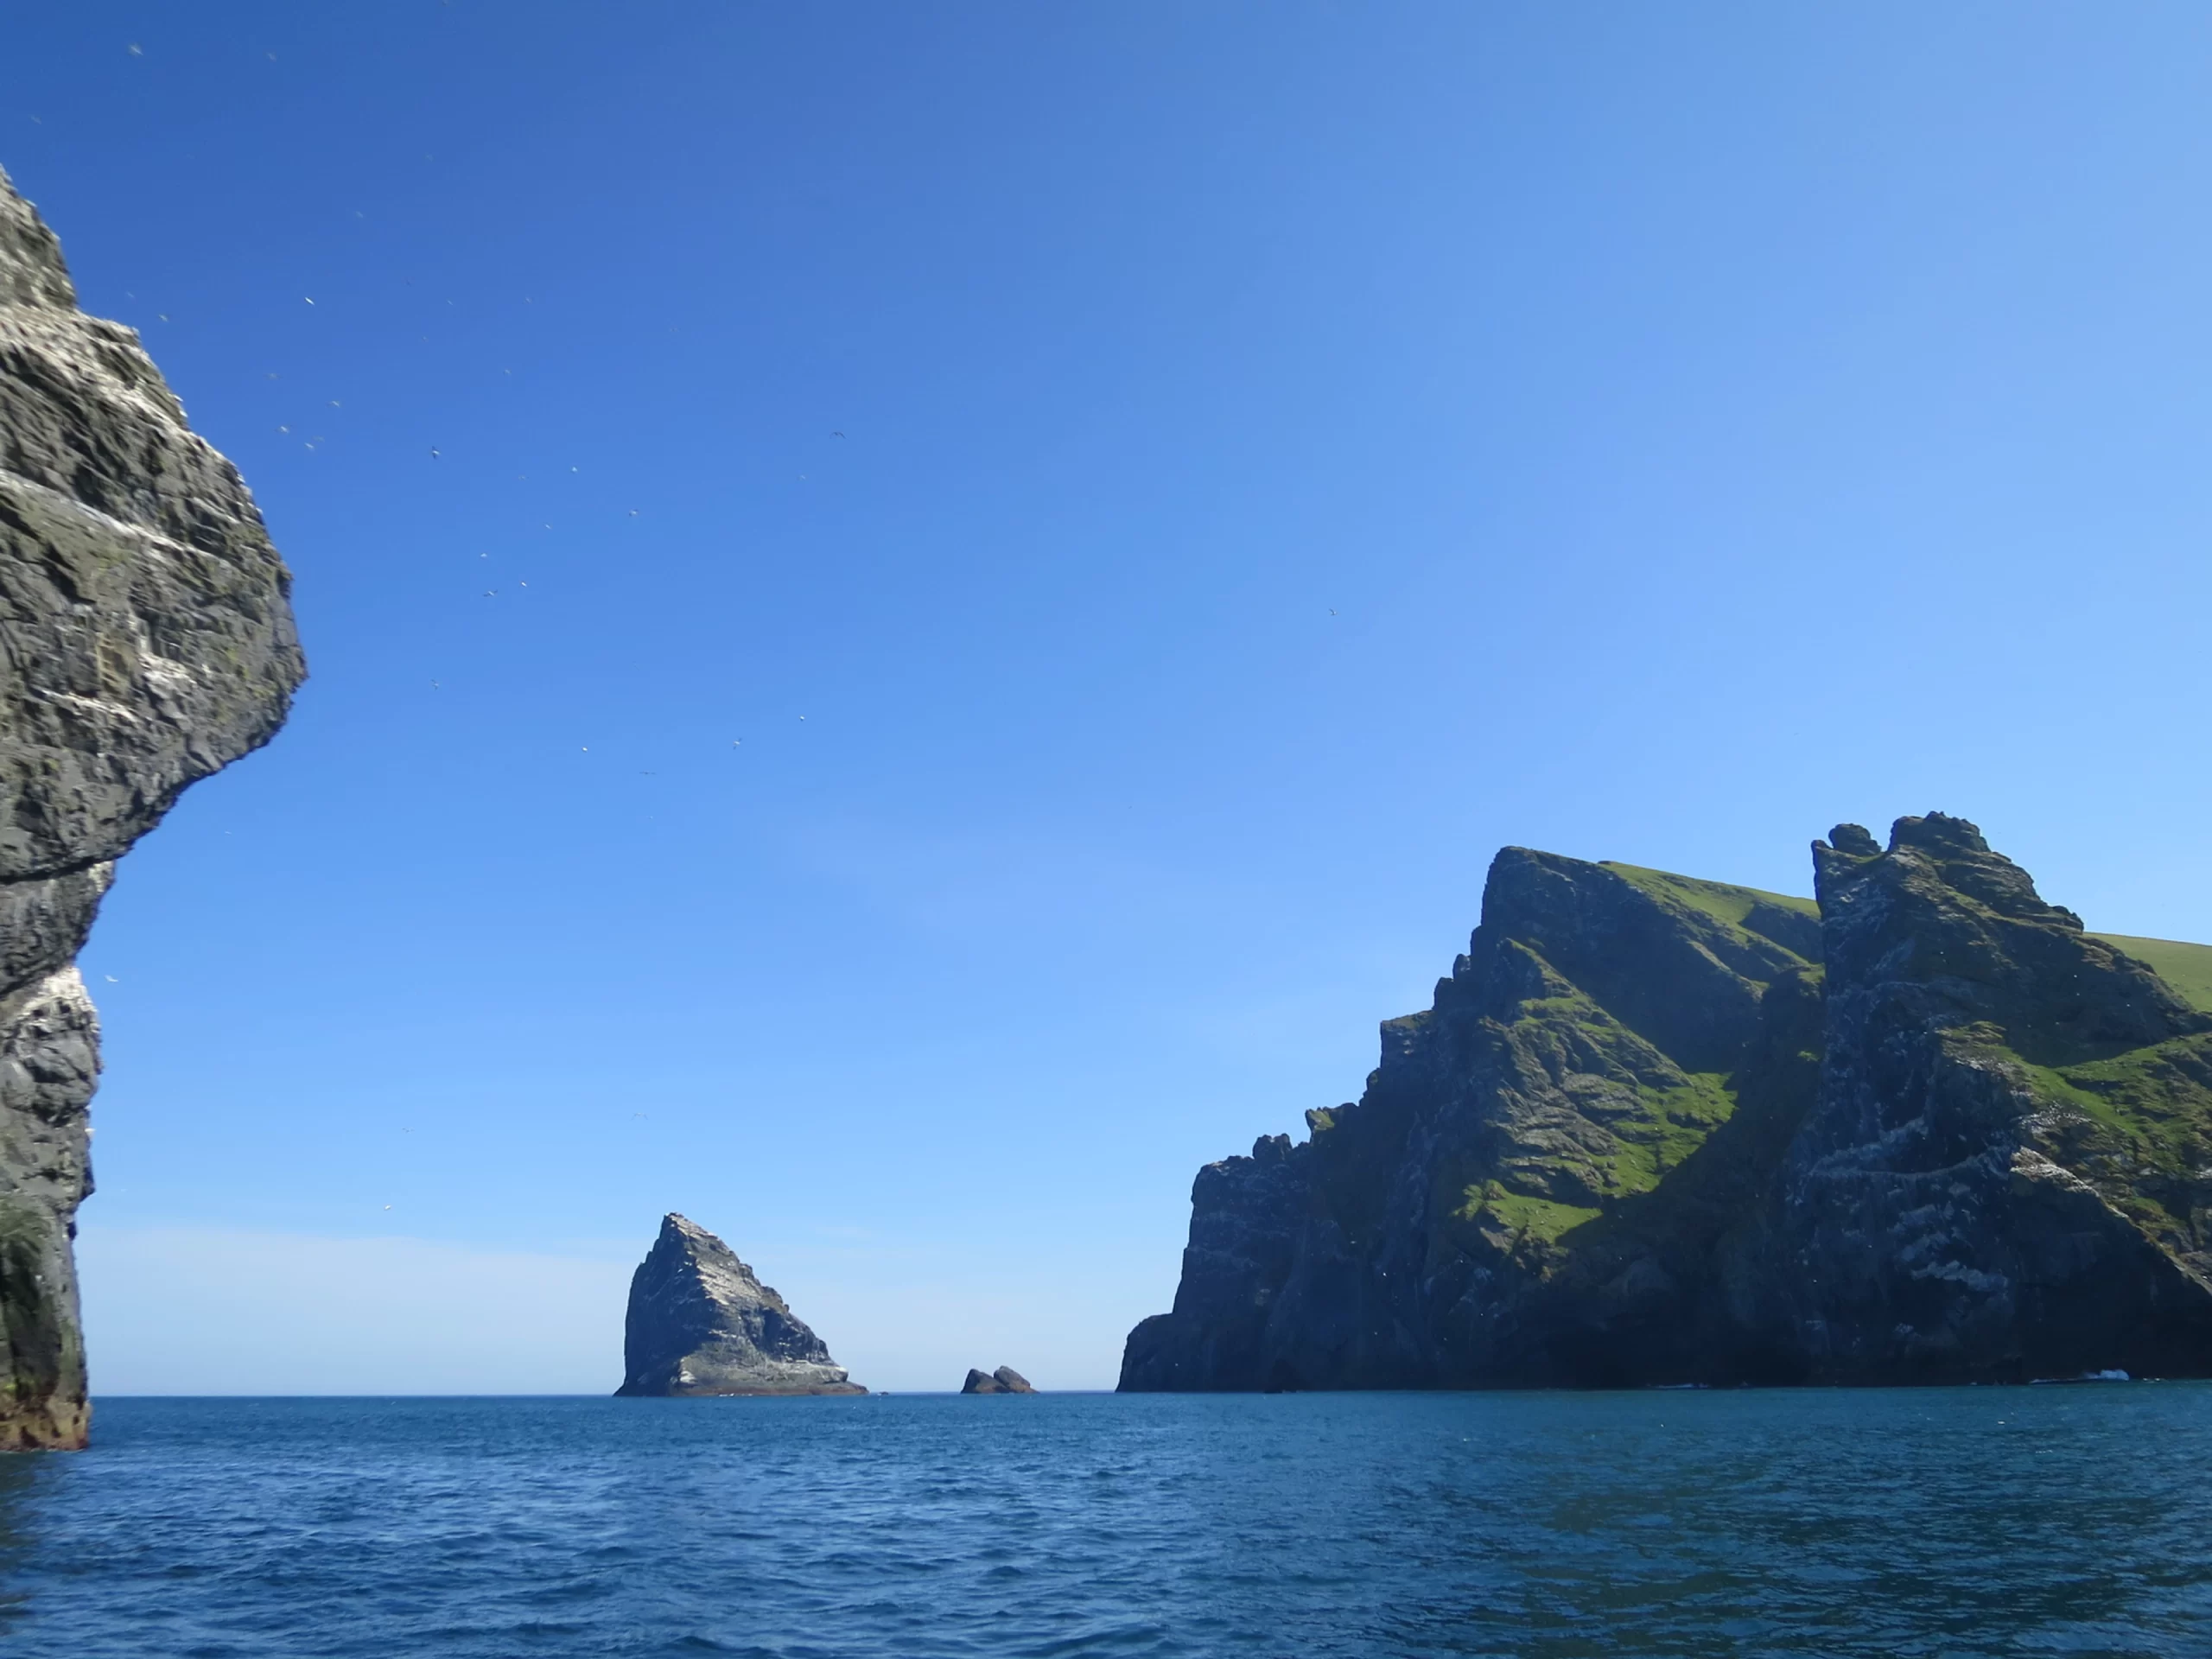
2187	968
1716	898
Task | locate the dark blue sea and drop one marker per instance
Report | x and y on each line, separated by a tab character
2069	1521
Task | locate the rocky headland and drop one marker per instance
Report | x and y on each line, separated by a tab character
1005	1380
148	642
700	1323
1655	1129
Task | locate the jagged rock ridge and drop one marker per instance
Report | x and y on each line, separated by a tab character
700	1323
148	642
2007	1174
1661	1130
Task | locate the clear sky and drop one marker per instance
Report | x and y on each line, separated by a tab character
921	615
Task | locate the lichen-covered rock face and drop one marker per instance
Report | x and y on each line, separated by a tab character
149	638
701	1323
1661	1130
146	640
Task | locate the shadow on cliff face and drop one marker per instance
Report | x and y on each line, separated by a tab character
39	1341
1677	1284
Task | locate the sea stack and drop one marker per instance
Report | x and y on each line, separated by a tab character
150	643
1005	1380
700	1323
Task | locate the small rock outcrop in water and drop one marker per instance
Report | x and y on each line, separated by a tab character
149	642
1005	1380
701	1323
1660	1131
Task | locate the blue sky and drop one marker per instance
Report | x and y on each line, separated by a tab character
1287	451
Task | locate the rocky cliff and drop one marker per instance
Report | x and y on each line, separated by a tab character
1656	1129
700	1323
148	641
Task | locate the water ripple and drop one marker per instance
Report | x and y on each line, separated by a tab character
1951	1523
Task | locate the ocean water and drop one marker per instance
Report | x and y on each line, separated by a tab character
2073	1521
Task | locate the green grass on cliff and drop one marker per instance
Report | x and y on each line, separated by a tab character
2139	1126
1659	1131
2143	1128
1523	1215
1675	1123
2187	968
1718	900
2160	1095
1658	1159
1660	1151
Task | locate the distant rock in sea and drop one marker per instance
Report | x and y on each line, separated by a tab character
148	643
1005	1380
701	1323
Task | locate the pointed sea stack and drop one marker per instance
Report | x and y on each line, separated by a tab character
1005	1380
701	1323
150	643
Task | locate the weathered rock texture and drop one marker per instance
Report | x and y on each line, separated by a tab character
700	1323
1005	1380
1663	1130
146	640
